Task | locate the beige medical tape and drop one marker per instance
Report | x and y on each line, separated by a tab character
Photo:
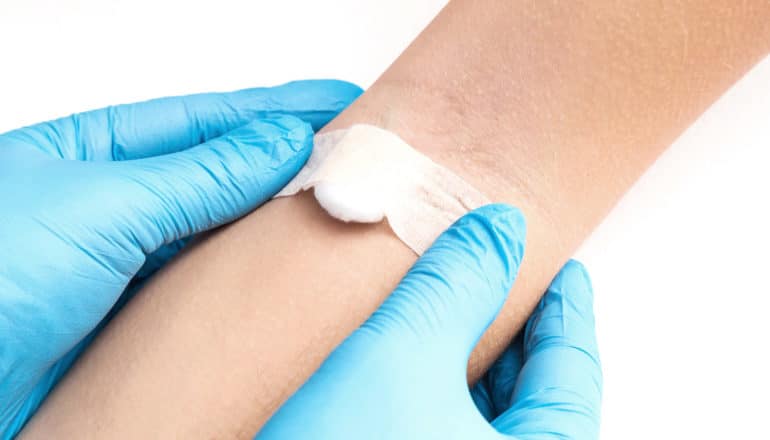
364	174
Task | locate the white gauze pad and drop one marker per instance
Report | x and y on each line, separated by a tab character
364	174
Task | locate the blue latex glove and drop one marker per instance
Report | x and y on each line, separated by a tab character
401	375
89	199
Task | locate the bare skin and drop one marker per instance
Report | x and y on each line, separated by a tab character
554	108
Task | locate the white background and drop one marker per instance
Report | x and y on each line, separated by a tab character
680	267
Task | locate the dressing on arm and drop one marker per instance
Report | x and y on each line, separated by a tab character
365	174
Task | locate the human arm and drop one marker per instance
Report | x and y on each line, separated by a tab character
553	108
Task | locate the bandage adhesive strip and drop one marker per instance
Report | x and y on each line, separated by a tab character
365	174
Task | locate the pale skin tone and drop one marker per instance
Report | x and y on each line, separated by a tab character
556	108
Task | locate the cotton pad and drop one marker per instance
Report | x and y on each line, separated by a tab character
365	174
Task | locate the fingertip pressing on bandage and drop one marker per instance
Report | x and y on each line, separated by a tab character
365	174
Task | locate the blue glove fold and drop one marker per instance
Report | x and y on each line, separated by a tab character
89	199
402	374
548	382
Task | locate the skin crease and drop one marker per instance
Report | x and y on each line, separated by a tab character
555	107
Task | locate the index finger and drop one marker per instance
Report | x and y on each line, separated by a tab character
166	125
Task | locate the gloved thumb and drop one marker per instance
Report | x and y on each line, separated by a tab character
455	290
168	197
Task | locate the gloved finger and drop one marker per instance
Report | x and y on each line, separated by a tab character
483	400
454	291
500	379
167	125
494	391
558	392
159	258
165	198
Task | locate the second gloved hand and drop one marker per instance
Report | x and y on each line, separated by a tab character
402	374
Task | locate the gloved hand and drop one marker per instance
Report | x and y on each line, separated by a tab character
401	375
89	199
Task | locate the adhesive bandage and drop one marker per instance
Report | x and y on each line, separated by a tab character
364	174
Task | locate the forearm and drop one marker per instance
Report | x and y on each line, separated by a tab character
559	107
555	110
